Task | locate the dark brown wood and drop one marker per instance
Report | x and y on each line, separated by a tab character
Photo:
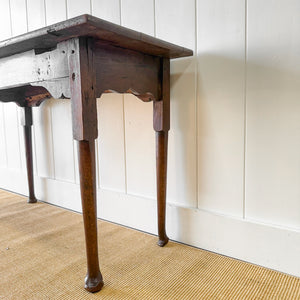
84	118
48	37
161	179
161	124
121	69
25	96
27	124
83	86
86	157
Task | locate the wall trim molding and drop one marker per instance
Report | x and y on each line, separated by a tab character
261	244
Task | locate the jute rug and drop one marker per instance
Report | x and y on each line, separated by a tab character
42	256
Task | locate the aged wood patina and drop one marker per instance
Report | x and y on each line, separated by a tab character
81	59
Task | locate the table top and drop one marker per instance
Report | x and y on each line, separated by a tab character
87	25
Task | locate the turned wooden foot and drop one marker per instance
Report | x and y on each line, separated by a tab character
27	124
93	284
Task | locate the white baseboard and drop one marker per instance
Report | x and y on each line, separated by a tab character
269	246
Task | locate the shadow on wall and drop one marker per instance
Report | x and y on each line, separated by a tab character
182	167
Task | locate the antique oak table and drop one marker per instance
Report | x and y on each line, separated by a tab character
80	59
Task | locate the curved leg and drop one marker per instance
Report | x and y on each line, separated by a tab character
27	124
161	178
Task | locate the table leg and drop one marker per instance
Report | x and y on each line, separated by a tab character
84	119
161	124
27	125
161	177
86	149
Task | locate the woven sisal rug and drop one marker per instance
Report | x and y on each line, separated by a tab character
42	256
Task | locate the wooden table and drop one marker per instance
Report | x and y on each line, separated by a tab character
80	59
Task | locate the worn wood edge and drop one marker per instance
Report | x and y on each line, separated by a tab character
26	95
48	30
145	38
146	97
53	32
35	93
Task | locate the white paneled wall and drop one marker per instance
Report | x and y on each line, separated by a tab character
221	87
234	147
273	90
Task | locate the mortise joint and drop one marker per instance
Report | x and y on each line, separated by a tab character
73	76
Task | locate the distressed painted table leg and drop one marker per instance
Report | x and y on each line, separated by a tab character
84	119
161	124
27	125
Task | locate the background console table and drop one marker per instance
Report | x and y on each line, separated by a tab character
81	59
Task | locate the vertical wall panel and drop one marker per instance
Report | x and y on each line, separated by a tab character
139	134
43	139
182	162
138	15
22	141
175	22
5	33
221	70
140	147
18	11
55	11
5	21
3	160
107	10
78	7
111	154
35	14
42	161
110	142
273	112
63	147
12	136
